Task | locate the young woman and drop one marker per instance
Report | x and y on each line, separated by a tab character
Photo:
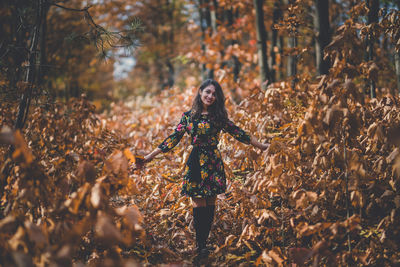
204	176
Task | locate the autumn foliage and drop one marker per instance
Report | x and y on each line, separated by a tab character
71	194
325	194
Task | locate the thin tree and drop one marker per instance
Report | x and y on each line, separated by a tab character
397	65
323	34
15	34
373	6
31	72
292	44
276	46
230	16
397	59
170	6
42	66
206	27
261	44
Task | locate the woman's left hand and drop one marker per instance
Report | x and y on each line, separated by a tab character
264	147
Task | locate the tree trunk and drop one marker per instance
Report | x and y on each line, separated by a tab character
281	74
261	44
171	73
292	58
31	75
15	71
292	61
159	70
170	66
373	6
397	60
323	31
277	15
214	16
205	24
236	66
43	57
397	64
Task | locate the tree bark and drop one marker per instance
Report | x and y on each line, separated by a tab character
169	64
227	17
397	60
323	31
281	73
205	24
171	73
42	67
15	45
261	44
292	58
397	65
214	16
373	6
31	75
276	16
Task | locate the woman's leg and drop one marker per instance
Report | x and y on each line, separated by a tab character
203	215
210	211
211	201
200	221
199	202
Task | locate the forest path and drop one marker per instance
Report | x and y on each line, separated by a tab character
170	236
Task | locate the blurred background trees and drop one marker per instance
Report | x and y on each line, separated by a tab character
54	49
62	44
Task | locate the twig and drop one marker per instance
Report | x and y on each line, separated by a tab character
346	176
85	9
283	227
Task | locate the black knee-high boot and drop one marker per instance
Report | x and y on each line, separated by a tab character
210	211
200	223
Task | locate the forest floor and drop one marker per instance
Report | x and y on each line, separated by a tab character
326	194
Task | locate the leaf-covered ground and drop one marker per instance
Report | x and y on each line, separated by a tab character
326	194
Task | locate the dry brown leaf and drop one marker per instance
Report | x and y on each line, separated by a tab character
106	231
276	255
95	196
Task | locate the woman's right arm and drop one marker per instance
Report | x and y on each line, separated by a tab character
171	141
149	157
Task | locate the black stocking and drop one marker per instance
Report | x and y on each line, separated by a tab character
210	211
200	222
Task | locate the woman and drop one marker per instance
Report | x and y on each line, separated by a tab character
204	176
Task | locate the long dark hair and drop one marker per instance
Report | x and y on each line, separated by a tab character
217	110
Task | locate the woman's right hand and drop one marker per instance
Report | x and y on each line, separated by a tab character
149	157
139	162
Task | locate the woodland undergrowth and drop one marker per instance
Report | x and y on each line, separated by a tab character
327	193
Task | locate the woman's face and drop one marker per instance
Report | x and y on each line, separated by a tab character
208	96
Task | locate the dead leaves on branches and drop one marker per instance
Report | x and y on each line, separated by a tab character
75	193
52	213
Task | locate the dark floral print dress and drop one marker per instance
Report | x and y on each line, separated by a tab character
204	175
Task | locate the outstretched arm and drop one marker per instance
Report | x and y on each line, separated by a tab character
254	142
171	141
243	136
149	157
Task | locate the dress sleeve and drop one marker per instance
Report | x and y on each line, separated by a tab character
171	141
236	132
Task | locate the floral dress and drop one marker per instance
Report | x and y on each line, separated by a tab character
204	174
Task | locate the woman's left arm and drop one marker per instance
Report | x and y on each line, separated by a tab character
243	136
254	142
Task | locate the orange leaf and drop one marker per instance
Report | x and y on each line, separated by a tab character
129	155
